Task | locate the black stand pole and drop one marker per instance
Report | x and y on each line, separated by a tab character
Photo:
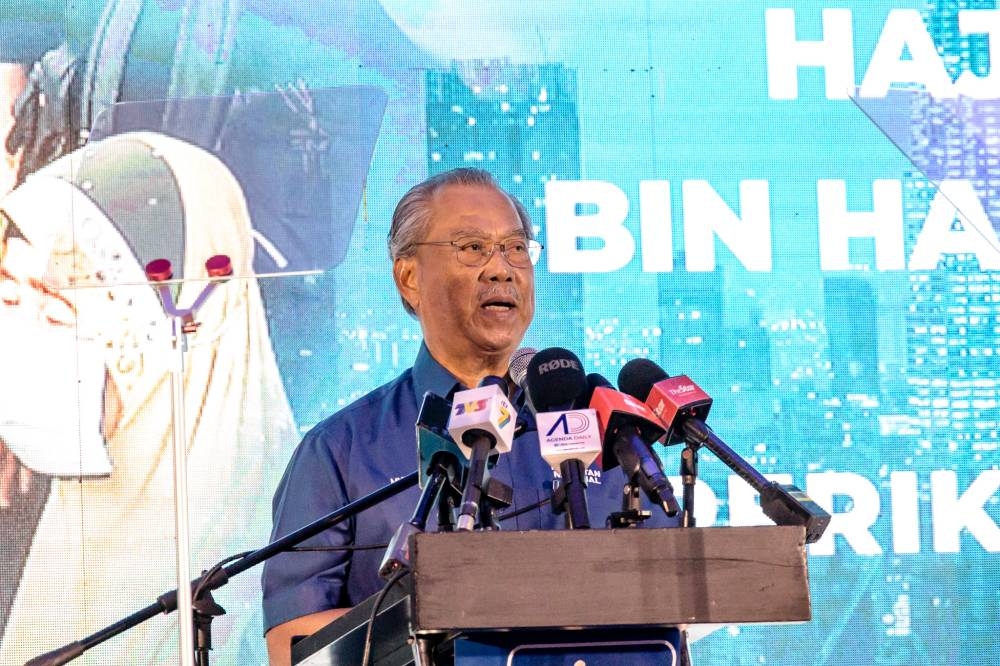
689	476
447	502
475	478
570	497
204	610
216	578
783	503
397	555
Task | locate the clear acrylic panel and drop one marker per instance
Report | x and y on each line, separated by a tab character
272	181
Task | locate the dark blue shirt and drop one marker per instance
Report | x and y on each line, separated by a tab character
362	448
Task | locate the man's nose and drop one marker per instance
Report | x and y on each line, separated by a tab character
497	267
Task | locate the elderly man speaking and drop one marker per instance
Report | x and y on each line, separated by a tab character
463	263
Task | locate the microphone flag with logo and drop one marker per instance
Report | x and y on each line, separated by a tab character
569	437
630	428
669	398
434	444
483	422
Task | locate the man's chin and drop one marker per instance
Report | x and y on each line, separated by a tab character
499	346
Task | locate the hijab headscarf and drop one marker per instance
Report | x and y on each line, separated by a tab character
105	544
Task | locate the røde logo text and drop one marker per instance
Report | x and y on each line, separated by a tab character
557	364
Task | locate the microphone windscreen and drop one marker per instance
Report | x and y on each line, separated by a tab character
555	379
637	377
519	361
595	380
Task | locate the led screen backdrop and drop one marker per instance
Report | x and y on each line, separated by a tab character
794	203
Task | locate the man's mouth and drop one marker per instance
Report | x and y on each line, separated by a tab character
499	305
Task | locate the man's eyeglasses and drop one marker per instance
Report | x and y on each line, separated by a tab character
475	252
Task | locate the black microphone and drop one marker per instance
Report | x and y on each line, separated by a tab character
483	420
682	407
568	436
439	472
554	379
629	429
434	445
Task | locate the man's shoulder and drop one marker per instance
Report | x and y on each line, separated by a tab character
364	408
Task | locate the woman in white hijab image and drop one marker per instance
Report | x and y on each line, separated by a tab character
86	396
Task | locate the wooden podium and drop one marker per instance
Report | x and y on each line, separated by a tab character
613	582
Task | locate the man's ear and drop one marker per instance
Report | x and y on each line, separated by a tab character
404	272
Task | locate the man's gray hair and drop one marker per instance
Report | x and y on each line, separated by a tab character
413	212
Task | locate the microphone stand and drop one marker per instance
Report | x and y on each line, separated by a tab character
689	476
632	513
475	478
217	577
446	511
397	555
159	271
785	504
566	498
496	495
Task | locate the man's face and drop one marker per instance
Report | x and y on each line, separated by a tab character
469	311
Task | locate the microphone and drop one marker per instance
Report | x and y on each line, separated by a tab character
568	437
434	445
671	399
439	467
483	420
518	367
682	407
629	429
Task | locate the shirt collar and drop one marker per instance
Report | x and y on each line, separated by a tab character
429	375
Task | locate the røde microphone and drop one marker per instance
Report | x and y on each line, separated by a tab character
682	407
483	420
568	437
629	429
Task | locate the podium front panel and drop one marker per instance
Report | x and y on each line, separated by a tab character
528	597
609	578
